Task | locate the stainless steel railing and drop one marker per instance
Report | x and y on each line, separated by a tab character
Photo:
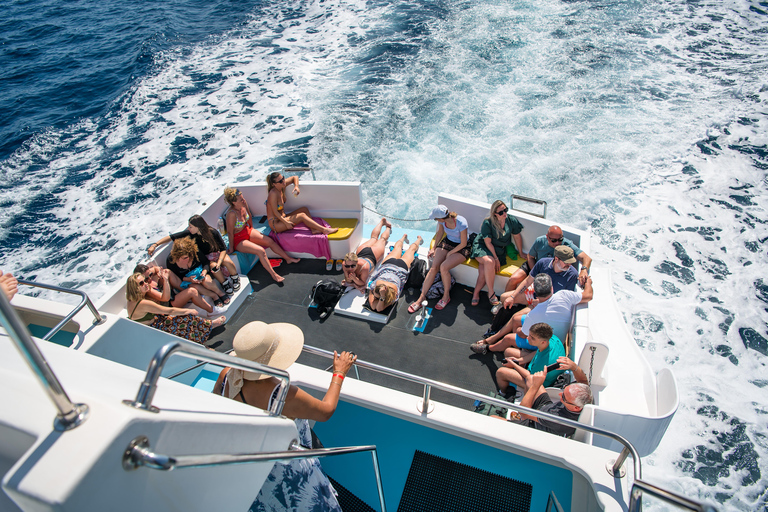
539	202
614	466
84	301
139	454
69	414
148	387
641	487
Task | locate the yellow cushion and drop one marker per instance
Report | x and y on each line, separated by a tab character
507	269
346	227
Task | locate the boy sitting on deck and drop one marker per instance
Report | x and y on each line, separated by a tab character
548	349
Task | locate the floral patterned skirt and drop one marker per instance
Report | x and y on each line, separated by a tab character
189	327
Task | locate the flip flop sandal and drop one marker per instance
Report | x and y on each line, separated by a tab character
414	307
339	263
475	301
224	299
218	303
494	300
441	305
329	265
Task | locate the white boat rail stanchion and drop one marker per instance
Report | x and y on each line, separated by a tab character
138	454
98	319
149	385
69	414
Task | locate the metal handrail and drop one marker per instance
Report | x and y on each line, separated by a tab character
530	200
139	454
553	503
69	414
639	487
148	387
613	466
84	301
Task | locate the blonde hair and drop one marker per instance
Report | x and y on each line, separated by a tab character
183	247
230	195
350	256
387	294
133	291
498	226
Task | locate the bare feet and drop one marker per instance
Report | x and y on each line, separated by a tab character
330	231
419	240
218	322
404	239
292	260
386	223
277	278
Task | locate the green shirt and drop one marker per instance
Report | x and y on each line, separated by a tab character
512	227
549	356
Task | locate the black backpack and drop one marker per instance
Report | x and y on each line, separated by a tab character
416	273
326	293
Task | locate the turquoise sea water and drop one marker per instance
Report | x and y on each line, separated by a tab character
644	121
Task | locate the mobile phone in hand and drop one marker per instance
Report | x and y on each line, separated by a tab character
553	367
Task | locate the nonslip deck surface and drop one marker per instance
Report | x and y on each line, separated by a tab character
440	353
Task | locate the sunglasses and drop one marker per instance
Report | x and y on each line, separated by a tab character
141	283
555	239
565	401
502	212
280	180
350	266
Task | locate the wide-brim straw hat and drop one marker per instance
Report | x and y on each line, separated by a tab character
277	345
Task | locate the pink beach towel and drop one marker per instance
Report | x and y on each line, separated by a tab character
301	239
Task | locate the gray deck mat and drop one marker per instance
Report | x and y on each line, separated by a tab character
440	353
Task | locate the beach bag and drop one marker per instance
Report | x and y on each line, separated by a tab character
437	288
416	274
326	294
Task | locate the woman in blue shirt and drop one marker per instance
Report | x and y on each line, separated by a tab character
448	252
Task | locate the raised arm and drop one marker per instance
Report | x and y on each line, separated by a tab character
587	294
535	385
567	363
300	404
586	262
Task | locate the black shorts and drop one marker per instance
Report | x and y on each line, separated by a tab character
367	252
524	267
398	262
448	246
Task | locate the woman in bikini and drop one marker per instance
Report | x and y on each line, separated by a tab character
358	265
242	236
182	322
389	280
300	482
280	221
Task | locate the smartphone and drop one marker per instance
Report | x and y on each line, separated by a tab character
553	367
263	219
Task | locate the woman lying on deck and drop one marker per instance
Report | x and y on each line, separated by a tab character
242	236
299	482
490	248
448	252
181	322
280	221
358	265
389	280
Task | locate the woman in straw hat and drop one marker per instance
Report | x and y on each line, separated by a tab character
279	345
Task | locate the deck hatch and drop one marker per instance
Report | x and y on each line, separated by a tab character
435	483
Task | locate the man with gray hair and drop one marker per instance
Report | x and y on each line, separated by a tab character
553	309
573	398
